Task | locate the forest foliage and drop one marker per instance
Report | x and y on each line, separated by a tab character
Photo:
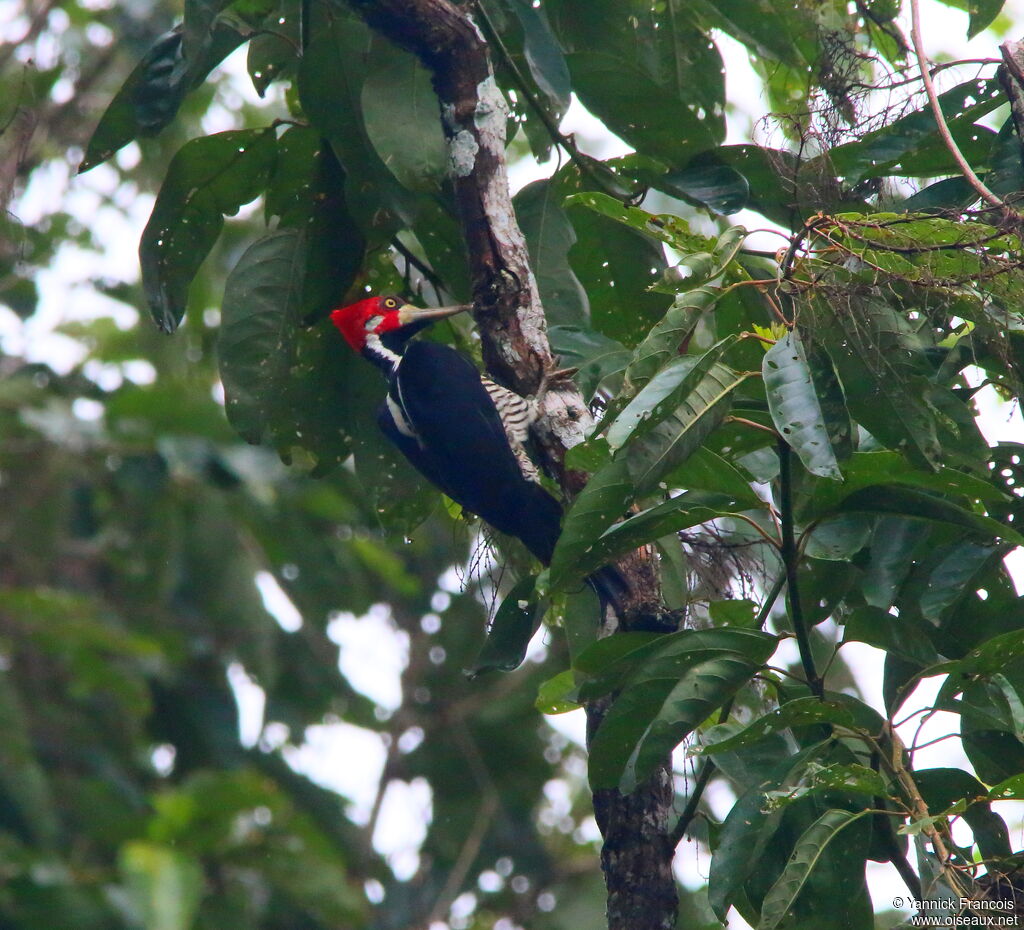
795	432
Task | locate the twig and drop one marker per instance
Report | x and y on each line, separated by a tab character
940	120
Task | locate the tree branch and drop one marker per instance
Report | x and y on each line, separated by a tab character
637	855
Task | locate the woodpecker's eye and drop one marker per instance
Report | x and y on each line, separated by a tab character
390	303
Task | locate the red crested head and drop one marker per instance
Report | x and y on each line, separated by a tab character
371	315
365	321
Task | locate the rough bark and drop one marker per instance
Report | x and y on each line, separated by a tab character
637	853
1011	76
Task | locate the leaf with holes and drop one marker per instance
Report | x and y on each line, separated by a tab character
656	453
807	405
210	177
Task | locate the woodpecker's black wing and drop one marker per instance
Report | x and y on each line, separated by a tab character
443	420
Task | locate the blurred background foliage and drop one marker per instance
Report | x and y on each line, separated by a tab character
144	780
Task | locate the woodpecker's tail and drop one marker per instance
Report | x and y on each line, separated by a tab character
610	587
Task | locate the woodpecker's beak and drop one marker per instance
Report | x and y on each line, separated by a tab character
407	313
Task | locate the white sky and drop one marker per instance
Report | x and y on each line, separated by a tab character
372	655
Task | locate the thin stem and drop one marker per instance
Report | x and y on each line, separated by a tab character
791	559
940	120
751	423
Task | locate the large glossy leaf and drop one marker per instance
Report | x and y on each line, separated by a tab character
670	693
543	54
605	498
595	355
403	121
806	855
306	193
747	830
649	74
210	177
257	334
330	83
917	505
881	152
656	453
150	98
669	335
905	636
689	509
867	469
799	712
663	394
807	405
877	357
549	237
616	265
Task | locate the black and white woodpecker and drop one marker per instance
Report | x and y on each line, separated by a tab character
465	434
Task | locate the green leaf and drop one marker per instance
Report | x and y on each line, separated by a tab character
150	98
874	352
689	509
663	394
805	857
655	454
549	237
208	178
666	699
608	664
256	341
605	498
616	265
652	117
918	505
670	335
544	56
270	55
403	122
807	405
330	83
904	636
707	471
517	619
197	25
595	355
555	696
747	830
307	193
881	152
719	188
164	884
868	469
893	545
983	14
951	576
800	712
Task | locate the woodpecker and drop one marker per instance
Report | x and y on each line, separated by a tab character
461	431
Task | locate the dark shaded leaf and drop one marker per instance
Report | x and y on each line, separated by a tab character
807	405
150	98
208	178
517	619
